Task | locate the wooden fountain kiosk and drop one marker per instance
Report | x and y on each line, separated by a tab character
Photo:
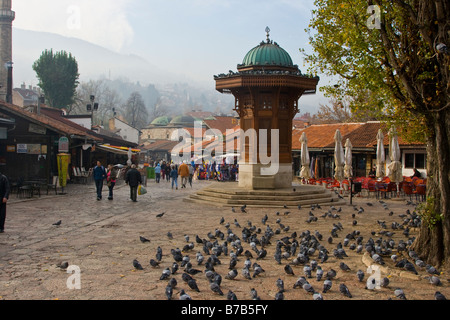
266	87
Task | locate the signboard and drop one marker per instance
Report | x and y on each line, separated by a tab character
37	129
63	145
22	148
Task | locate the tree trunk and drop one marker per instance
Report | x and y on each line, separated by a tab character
433	242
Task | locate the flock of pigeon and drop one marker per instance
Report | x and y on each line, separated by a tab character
307	256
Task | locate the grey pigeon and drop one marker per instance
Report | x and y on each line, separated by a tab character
246	274
288	270
254	294
410	267
216	288
344	267
384	282
160	215
143	239
360	275
280	285
279	295
435	281
165	274
137	265
331	274
439	296
431	270
308	288
344	290
232	274
317	296
231	295
400	294
154	263
327	284
63	265
184	295
319	274
193	285
169	292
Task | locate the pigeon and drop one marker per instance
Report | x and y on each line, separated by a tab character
344	290
331	274
319	273
63	265
174	267
435	281
231	274
344	267
439	296
308	288
279	296
154	263
232	209
160	215
288	270
165	274
231	295
280	285
360	275
431	270
58	223
169	292
222	220
216	288
173	283
410	267
384	282
243	209
327	284
143	240
184	295
137	265
193	285
169	235
246	274
317	296
254	294
400	294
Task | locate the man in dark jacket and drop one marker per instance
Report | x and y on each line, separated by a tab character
133	179
4	196
99	174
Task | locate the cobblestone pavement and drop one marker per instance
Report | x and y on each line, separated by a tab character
102	239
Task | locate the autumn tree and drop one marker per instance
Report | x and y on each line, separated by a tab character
340	112
58	77
397	52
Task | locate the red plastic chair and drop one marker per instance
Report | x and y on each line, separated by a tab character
421	190
408	190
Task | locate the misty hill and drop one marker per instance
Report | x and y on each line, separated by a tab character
122	73
93	61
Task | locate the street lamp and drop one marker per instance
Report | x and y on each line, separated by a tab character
93	106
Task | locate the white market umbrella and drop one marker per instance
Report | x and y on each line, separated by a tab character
395	167
305	171
339	159
348	170
381	156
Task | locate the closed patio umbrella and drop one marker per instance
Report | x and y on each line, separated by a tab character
348	170
395	167
381	156
305	171
339	159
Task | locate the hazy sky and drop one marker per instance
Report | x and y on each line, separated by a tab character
199	38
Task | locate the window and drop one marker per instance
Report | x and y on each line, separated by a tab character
415	160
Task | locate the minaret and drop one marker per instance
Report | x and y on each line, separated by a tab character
6	18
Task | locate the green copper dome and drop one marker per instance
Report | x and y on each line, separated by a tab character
161	121
267	54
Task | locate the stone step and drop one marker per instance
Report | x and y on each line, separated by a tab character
305	204
268	197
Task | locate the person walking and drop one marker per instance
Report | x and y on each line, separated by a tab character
158	170
99	174
191	173
133	179
4	196
183	171
111	177
163	170
174	176
168	169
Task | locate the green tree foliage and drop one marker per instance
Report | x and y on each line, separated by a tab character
58	77
387	50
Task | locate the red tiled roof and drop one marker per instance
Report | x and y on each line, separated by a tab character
59	125
160	145
221	123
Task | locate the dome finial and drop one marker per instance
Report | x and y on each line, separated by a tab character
267	31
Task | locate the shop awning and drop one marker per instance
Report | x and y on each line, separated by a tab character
116	150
